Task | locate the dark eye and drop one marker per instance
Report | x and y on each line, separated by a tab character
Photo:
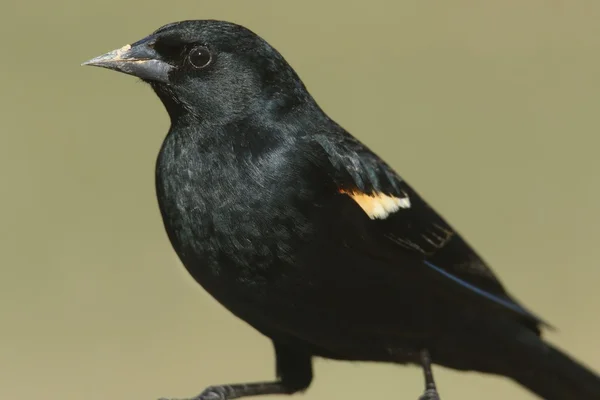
200	57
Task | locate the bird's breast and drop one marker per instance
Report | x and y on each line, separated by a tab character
228	221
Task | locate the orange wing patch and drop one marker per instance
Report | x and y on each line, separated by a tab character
379	205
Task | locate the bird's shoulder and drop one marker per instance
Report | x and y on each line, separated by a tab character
387	199
388	210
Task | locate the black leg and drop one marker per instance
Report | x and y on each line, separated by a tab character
294	370
431	392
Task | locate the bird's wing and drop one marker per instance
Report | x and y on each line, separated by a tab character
403	218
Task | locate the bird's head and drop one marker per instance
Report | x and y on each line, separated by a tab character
209	69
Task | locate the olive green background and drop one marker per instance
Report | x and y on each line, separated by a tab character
490	109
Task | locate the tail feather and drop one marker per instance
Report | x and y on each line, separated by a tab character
553	375
518	353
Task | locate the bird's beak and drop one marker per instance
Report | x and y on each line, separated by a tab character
138	59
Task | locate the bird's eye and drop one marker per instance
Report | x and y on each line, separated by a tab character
200	57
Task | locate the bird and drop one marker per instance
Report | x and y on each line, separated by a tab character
303	232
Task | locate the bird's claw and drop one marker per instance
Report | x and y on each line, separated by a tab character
213	393
430	394
210	393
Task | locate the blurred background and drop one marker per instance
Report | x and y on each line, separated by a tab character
488	108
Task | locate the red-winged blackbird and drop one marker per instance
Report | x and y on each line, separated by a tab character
304	233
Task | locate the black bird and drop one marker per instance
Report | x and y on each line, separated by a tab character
303	232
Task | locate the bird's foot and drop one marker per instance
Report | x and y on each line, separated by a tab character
430	394
210	393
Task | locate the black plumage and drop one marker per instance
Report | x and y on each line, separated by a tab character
307	235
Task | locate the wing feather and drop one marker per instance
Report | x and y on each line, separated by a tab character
405	220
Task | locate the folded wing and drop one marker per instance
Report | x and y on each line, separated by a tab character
400	216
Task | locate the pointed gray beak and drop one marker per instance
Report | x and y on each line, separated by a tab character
138	60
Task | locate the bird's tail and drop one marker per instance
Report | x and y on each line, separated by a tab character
553	375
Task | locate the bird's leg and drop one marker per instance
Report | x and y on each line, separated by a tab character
294	370
431	392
